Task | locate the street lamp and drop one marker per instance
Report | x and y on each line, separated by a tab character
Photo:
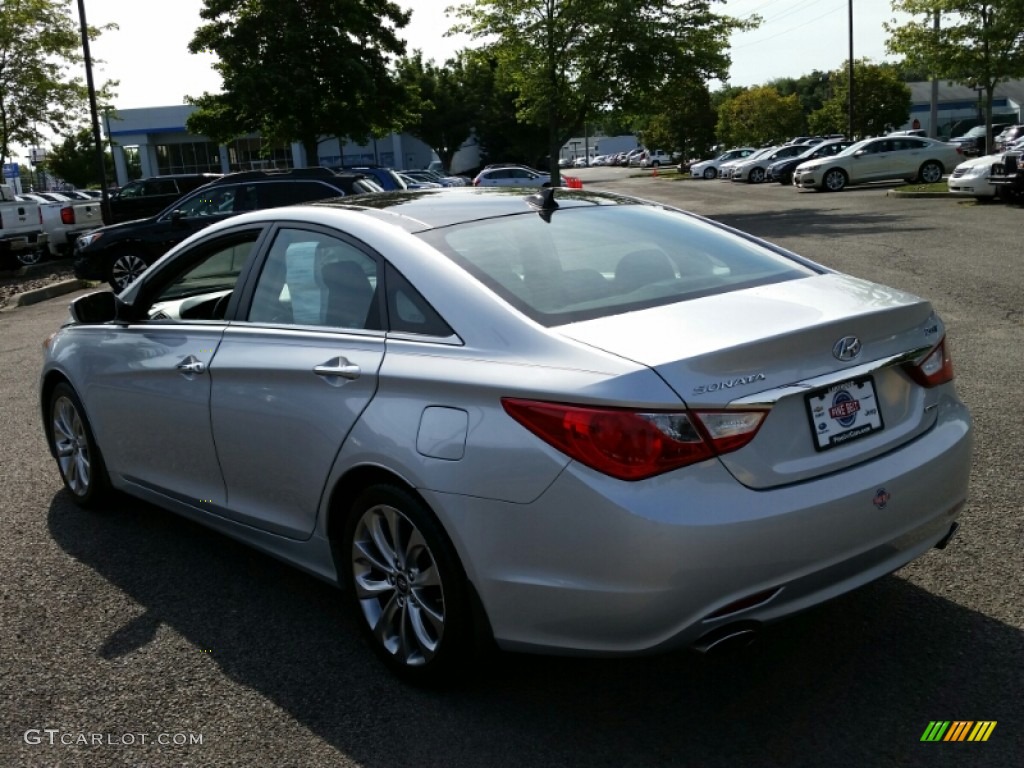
97	140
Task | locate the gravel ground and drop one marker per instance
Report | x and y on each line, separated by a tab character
39	276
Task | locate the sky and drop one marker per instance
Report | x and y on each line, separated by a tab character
149	55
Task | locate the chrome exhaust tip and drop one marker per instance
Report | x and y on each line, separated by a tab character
729	637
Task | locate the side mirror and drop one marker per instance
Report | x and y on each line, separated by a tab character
94	308
859	153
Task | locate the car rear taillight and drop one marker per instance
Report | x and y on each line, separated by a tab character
476	181
67	215
935	369
633	445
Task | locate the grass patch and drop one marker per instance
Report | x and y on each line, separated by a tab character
939	186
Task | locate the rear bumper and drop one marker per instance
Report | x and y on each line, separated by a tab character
600	566
27	241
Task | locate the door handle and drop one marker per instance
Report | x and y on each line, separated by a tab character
191	365
338	366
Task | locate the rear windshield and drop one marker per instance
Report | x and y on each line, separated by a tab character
582	263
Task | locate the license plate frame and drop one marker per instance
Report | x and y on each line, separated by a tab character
843	412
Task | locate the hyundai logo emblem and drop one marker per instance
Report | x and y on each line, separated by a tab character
846	348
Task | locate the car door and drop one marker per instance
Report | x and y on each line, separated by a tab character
871	162
293	374
151	400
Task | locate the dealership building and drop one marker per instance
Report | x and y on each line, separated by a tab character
155	141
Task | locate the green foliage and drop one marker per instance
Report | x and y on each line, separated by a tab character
301	69
881	100
759	116
74	159
681	119
979	42
40	56
567	60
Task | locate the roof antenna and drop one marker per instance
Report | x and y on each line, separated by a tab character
544	199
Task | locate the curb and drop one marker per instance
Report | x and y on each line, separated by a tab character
37	295
897	193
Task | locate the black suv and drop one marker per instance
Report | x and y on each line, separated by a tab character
147	197
121	252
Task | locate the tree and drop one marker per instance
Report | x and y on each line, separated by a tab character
569	59
684	120
40	49
445	101
300	70
74	160
759	116
979	42
881	100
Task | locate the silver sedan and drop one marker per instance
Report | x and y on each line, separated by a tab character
564	421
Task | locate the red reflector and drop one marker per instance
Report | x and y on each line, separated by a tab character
67	215
745	602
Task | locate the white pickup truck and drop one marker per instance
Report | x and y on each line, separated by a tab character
64	221
22	240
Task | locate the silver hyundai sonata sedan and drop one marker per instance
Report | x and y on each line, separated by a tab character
568	421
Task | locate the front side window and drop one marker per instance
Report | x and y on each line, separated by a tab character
203	286
311	278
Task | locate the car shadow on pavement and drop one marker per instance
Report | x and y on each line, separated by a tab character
819	222
852	683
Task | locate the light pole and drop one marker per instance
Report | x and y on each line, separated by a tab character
849	124
97	140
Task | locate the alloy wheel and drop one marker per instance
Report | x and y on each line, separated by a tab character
28	258
756	175
72	446
125	269
835	180
398	585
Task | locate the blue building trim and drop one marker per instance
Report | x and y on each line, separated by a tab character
136	132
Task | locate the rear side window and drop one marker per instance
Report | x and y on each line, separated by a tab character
278	193
592	262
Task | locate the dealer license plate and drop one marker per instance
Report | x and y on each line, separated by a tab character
844	412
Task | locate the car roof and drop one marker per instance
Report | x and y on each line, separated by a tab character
420	210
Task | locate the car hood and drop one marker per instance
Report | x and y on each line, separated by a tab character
125	227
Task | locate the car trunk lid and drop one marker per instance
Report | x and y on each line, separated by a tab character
779	346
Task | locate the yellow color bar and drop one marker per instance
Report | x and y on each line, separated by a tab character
982	730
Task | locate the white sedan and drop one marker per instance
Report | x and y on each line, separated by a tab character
884	158
970	178
512	176
709	169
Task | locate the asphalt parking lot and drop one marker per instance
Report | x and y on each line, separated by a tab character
129	635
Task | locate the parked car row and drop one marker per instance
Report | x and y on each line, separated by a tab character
990	176
832	164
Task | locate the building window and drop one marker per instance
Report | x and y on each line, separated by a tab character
133	162
253	155
189	157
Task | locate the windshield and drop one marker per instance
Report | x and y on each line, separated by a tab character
581	263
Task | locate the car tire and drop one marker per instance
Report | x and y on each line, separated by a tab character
124	268
74	447
930	173
30	258
412	600
710	173
834	180
755	176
